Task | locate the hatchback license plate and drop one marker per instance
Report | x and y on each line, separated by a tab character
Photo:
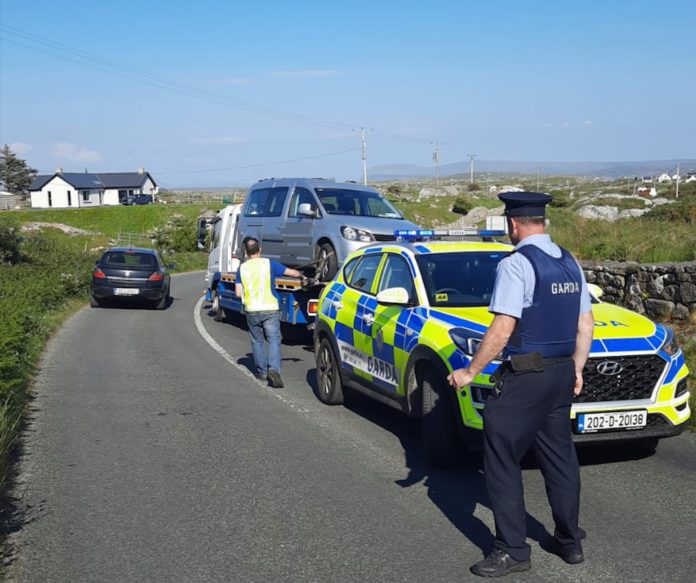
595	422
126	291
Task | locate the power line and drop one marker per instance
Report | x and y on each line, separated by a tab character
258	165
93	61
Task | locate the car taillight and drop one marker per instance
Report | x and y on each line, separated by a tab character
312	306
157	276
99	274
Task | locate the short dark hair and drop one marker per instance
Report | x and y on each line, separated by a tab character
251	246
541	221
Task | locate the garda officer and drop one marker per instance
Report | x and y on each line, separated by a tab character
543	325
256	287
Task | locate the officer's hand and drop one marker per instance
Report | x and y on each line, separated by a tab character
460	378
578	383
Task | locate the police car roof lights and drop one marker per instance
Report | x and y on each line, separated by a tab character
421	234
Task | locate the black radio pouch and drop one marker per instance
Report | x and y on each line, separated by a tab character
524	363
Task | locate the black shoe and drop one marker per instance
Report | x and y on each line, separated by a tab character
261	377
572	556
498	564
274	380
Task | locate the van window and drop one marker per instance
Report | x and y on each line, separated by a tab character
257	202
266	202
364	274
300	196
363	203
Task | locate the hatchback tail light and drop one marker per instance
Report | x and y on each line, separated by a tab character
99	274
157	276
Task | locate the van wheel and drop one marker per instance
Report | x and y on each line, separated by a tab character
440	437
329	385
328	263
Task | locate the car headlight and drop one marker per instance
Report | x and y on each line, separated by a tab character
670	345
353	234
465	341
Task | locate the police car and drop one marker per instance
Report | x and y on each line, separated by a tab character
399	317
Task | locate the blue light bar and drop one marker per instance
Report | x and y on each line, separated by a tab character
432	233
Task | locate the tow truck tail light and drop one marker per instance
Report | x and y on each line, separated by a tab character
157	276
312	307
99	274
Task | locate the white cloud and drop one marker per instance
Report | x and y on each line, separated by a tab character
588	122
305	73
565	124
218	140
74	153
20	148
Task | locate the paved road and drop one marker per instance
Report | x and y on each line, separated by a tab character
152	458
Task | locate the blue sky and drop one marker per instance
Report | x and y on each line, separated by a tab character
186	88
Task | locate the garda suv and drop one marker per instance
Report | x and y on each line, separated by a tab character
301	220
133	273
399	317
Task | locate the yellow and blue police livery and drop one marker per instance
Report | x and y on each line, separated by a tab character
398	318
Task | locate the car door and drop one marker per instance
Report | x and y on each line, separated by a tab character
388	359
297	230
272	238
356	310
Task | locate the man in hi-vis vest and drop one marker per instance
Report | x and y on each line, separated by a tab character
256	287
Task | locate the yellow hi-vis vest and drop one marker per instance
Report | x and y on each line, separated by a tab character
257	293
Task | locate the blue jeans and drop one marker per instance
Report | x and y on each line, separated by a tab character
265	327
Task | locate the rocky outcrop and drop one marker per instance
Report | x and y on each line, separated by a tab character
661	291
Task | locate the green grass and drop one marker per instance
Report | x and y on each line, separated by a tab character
436	211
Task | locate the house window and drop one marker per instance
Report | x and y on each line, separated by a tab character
69	198
50	199
85	196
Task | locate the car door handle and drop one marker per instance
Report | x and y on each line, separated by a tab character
337	305
369	319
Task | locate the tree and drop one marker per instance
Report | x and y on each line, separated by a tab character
15	173
462	205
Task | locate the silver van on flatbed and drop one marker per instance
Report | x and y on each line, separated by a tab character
300	220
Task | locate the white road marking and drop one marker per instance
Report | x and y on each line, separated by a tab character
229	358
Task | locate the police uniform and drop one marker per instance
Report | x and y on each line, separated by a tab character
543	287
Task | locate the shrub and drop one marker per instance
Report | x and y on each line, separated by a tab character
473	187
560	199
462	205
178	234
680	212
9	243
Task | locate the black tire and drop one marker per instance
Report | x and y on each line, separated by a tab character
94	302
329	385
440	437
330	266
218	312
162	304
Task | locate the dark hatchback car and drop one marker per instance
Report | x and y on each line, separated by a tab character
130	272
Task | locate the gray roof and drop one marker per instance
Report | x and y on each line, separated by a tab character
92	180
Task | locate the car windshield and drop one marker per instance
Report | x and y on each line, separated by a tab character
129	259
459	280
359	203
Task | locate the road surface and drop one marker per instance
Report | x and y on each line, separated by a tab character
153	455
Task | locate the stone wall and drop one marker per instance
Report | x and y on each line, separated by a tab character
662	291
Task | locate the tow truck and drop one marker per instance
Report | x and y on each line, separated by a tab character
298	302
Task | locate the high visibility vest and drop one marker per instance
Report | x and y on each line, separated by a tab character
256	283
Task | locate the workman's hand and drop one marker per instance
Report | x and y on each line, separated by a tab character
578	383
460	378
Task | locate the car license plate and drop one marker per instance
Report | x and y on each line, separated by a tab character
595	422
126	291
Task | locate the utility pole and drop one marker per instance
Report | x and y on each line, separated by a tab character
436	159
471	162
362	134
538	179
678	179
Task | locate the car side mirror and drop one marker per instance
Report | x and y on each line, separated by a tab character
306	210
395	296
595	290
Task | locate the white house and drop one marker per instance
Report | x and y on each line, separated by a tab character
691	178
664	178
84	189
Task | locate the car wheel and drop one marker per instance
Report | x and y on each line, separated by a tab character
329	385
94	302
440	437
328	263
162	304
218	312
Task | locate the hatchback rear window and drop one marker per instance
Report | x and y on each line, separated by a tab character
131	259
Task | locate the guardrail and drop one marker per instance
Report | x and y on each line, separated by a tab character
212	198
134	240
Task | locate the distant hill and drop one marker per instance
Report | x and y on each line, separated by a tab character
601	169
